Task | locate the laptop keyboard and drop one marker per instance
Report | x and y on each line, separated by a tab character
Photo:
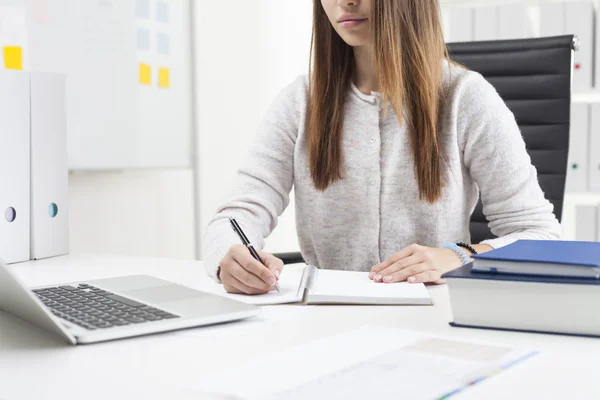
94	308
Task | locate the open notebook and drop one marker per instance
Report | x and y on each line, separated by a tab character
307	284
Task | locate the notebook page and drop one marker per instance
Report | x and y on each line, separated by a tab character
289	285
349	284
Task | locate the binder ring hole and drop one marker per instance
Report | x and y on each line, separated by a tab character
10	214
52	210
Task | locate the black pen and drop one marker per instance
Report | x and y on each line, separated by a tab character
238	229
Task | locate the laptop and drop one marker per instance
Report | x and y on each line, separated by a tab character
115	308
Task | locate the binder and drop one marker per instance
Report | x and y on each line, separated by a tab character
14	166
578	165
579	20
586	217
598	223
49	171
460	24
513	22
552	20
486	23
594	150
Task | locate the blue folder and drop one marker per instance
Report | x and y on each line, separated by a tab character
547	251
539	257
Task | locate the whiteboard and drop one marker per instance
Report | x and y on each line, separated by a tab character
128	72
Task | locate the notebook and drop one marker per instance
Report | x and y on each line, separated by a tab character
301	283
543	257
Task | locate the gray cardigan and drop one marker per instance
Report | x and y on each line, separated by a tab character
375	211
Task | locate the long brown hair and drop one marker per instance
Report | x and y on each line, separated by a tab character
409	46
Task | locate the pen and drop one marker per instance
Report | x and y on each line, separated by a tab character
238	229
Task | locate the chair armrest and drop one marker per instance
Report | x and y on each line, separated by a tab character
290	258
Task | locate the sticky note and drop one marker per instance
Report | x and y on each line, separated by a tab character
13	57
163	78
143	39
145	74
162	11
142	8
162	43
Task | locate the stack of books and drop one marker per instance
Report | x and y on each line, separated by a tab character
535	286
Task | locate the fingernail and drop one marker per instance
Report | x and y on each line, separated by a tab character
377	276
387	278
412	279
371	274
277	273
271	281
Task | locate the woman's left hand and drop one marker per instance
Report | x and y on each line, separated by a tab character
416	264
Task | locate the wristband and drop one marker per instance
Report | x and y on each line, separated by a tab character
467	246
460	252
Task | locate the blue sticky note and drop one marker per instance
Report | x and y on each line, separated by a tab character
142	8
162	43
162	11
143	39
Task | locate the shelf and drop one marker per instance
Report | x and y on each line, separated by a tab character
589	97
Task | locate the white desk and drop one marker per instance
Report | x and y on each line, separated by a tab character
33	365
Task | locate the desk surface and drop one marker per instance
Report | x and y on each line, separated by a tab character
35	365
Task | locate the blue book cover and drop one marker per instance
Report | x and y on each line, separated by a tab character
467	272
547	252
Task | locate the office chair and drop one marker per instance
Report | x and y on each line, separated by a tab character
533	77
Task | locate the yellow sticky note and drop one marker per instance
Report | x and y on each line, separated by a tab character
163	78
145	74
13	57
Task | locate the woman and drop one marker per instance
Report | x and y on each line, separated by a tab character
388	146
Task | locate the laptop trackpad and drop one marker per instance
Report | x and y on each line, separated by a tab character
163	294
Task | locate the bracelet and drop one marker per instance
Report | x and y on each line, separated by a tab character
460	252
468	247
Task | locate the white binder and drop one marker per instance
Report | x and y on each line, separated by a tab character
579	145
49	171
460	24
552	20
594	164
513	22
598	224
586	217
14	166
579	20
486	23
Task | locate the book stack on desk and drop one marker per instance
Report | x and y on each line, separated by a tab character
536	286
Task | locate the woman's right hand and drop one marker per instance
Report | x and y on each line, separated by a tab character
242	274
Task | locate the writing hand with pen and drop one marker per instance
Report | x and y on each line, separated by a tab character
245	270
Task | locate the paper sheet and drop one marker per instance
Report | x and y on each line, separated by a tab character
289	284
411	366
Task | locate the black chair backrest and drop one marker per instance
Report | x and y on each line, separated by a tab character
533	77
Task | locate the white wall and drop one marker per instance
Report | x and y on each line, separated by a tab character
138	213
245	54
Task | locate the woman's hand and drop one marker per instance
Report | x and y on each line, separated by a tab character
416	264
242	274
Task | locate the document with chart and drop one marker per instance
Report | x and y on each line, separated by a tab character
410	366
